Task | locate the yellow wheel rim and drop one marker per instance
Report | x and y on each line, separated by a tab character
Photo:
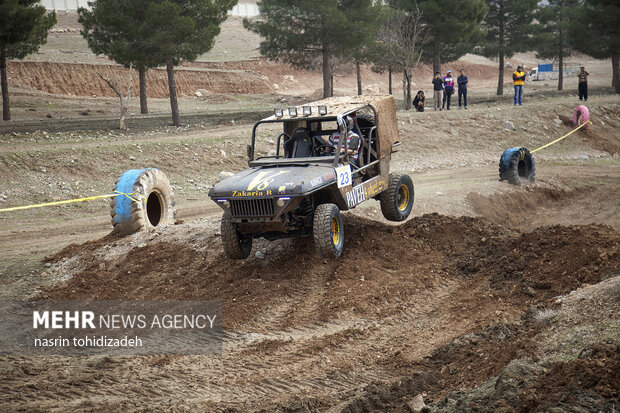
403	197
335	231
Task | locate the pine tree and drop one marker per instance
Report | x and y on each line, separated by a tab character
117	29
551	40
454	27
302	32
594	30
509	25
183	30
23	29
161	32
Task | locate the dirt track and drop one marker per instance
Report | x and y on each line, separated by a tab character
337	326
492	297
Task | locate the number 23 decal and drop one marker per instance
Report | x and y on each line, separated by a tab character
344	176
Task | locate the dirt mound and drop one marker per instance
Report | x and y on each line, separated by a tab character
582	382
595	137
514	207
531	206
381	266
502	362
83	80
87	247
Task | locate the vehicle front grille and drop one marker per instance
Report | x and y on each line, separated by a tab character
251	207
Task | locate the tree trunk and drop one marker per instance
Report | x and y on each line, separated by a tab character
6	105
615	79
328	88
143	105
500	82
561	64
405	87
436	56
408	92
359	78
390	80
123	123
174	104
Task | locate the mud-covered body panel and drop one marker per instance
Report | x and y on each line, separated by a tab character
292	180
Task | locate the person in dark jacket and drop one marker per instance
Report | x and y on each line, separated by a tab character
437	88
583	84
462	82
418	101
448	90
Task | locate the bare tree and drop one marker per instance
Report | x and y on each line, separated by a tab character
117	87
404	35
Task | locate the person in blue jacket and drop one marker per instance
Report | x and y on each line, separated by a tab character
462	82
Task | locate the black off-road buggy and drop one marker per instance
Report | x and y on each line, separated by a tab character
299	190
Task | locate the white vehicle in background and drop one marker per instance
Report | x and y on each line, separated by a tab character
550	71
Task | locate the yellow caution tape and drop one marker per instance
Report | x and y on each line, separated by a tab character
71	201
559	139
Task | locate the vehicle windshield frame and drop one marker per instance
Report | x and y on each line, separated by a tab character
322	118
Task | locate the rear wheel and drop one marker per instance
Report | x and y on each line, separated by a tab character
397	199
236	246
328	230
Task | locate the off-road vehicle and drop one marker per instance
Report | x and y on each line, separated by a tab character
299	189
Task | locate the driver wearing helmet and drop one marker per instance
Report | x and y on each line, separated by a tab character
353	140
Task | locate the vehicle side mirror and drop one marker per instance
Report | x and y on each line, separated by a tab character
250	153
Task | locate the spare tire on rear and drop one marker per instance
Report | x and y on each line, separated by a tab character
151	204
517	166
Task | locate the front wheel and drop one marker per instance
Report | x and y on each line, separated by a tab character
397	199
236	246
328	230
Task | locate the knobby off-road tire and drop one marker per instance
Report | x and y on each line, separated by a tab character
397	199
236	246
154	205
328	230
517	166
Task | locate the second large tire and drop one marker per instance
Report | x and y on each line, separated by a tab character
152	205
517	166
328	230
581	115
397	199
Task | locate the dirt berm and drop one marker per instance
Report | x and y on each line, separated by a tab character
435	305
381	265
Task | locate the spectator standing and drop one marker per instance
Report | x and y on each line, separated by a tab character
437	88
462	82
518	79
583	84
448	90
418	101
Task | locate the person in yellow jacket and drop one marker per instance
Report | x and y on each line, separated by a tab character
518	79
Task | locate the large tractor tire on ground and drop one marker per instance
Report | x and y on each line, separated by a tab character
236	246
581	115
152	205
328	230
517	166
397	199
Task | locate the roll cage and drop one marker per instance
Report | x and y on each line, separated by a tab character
313	127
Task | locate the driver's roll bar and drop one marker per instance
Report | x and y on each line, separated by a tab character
341	124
